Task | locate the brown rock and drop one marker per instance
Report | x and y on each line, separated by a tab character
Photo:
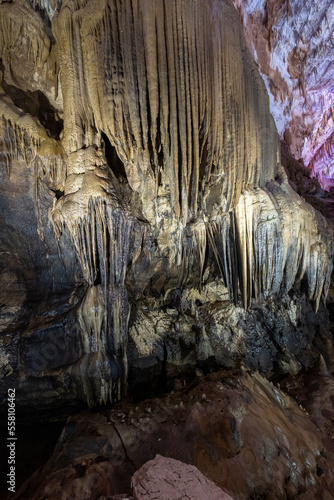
248	436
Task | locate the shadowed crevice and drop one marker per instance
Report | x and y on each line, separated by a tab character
115	163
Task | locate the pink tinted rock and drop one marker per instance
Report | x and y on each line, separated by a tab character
168	479
291	42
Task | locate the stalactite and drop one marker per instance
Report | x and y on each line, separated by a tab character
178	84
162	178
23	138
194	243
172	88
17	22
27	51
18	143
101	373
222	240
270	241
101	238
48	6
101	235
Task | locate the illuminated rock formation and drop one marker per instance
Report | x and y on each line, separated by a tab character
160	213
292	44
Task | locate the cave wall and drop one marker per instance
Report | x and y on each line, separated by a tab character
292	44
147	224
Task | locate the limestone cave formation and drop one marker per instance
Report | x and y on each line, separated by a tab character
166	248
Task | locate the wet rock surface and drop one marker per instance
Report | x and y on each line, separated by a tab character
242	432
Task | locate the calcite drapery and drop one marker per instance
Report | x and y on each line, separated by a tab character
164	181
170	97
171	86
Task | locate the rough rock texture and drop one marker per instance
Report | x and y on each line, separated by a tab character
308	187
293	46
146	222
317	396
166	478
239	430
